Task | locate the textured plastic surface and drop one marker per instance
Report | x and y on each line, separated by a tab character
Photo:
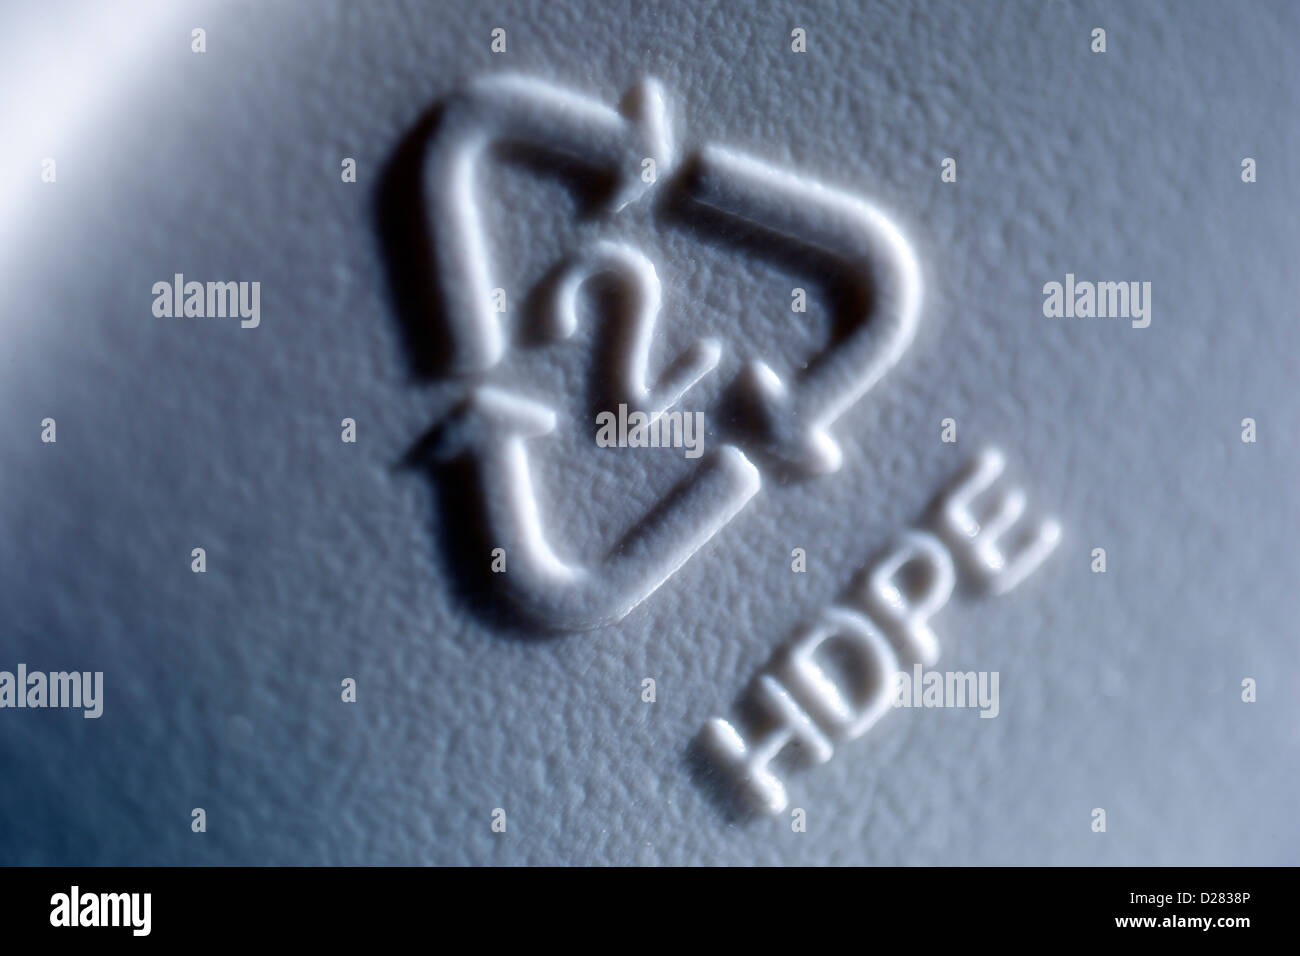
328	560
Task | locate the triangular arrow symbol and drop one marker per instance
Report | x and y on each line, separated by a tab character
493	427
520	109
796	417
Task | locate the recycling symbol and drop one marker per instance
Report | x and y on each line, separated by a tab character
789	413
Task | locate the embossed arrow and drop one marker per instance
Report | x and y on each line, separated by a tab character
493	427
521	109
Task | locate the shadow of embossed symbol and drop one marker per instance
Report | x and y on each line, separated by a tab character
788	417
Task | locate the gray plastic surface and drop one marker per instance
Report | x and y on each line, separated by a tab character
329	560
